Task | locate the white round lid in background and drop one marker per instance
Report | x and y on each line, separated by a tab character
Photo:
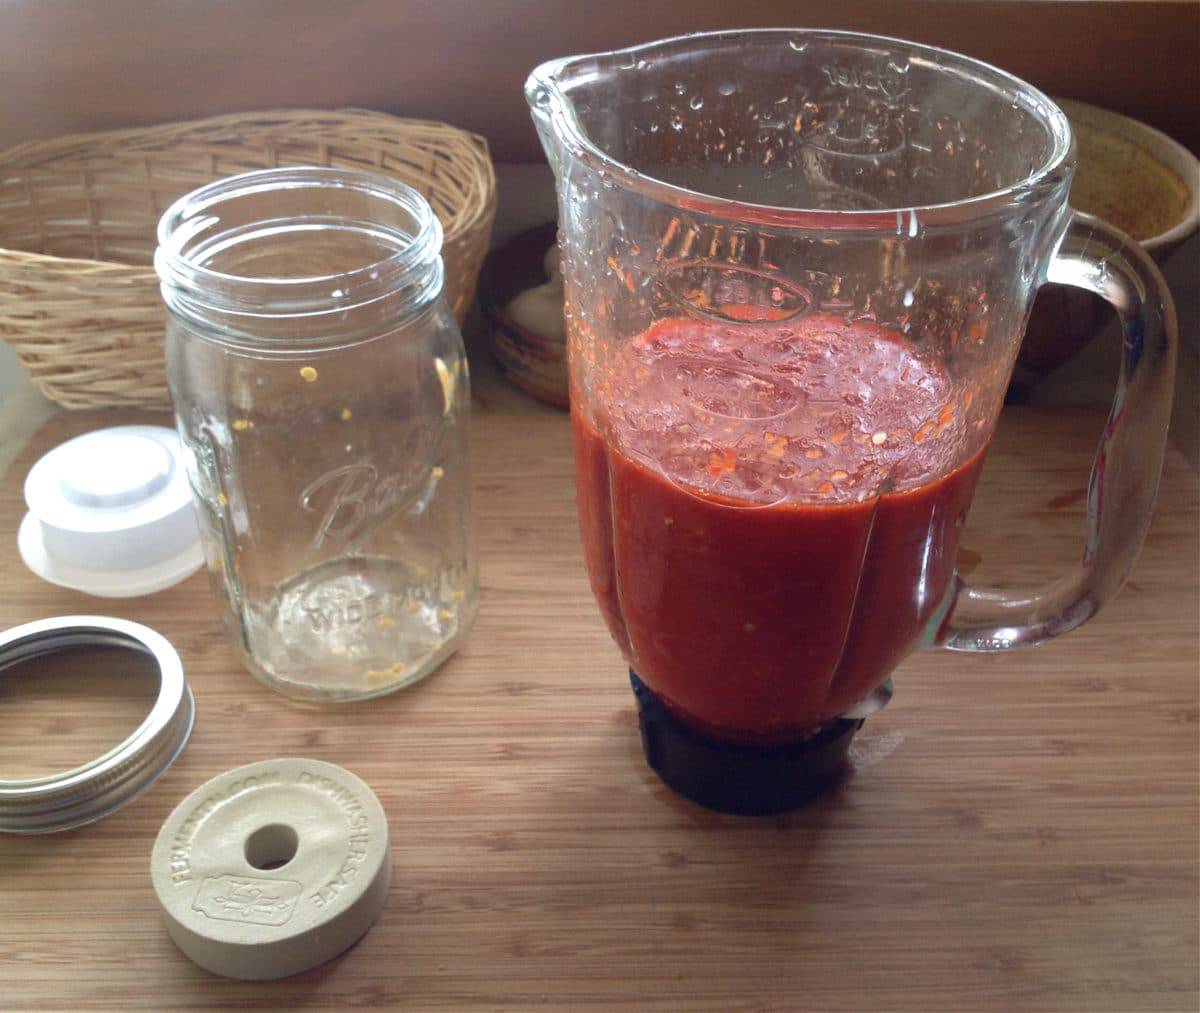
272	868
113	468
110	513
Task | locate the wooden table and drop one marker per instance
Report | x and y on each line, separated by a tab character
1019	831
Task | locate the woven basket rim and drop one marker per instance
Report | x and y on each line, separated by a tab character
88	328
78	262
16	157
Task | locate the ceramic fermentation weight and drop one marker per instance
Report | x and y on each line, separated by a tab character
272	868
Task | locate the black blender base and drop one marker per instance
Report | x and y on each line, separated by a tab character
730	777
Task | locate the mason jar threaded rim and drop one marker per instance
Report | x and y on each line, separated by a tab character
192	228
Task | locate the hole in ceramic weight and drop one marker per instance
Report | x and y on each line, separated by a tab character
272	846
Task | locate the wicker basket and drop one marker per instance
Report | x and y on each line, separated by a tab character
79	301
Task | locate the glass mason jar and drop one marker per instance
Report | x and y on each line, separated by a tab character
321	393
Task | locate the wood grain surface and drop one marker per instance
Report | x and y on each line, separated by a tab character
1019	832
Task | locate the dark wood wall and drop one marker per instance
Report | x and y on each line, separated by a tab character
69	65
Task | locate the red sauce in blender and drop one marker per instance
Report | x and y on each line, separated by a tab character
770	512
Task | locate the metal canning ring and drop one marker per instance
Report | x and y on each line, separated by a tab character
89	792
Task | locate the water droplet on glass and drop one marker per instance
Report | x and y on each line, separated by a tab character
908	297
676	122
726	87
697	102
654	128
680	87
798	44
642	65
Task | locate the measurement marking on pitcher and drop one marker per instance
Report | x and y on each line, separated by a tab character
891	79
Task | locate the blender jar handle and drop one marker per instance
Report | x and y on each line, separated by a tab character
1096	257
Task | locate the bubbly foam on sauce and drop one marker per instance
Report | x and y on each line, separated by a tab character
815	410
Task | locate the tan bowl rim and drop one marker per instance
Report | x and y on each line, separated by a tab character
1154	142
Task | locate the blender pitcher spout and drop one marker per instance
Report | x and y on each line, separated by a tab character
548	105
581	105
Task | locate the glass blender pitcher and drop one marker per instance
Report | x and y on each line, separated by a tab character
798	265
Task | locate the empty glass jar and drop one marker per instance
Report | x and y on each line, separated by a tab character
320	390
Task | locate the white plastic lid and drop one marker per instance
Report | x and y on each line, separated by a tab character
110	514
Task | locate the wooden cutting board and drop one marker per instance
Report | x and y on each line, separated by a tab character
1019	831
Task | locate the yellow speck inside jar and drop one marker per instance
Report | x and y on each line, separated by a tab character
308	374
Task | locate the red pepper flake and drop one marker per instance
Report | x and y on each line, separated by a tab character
925	429
838	437
813	454
825	487
776	445
672	228
719	463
